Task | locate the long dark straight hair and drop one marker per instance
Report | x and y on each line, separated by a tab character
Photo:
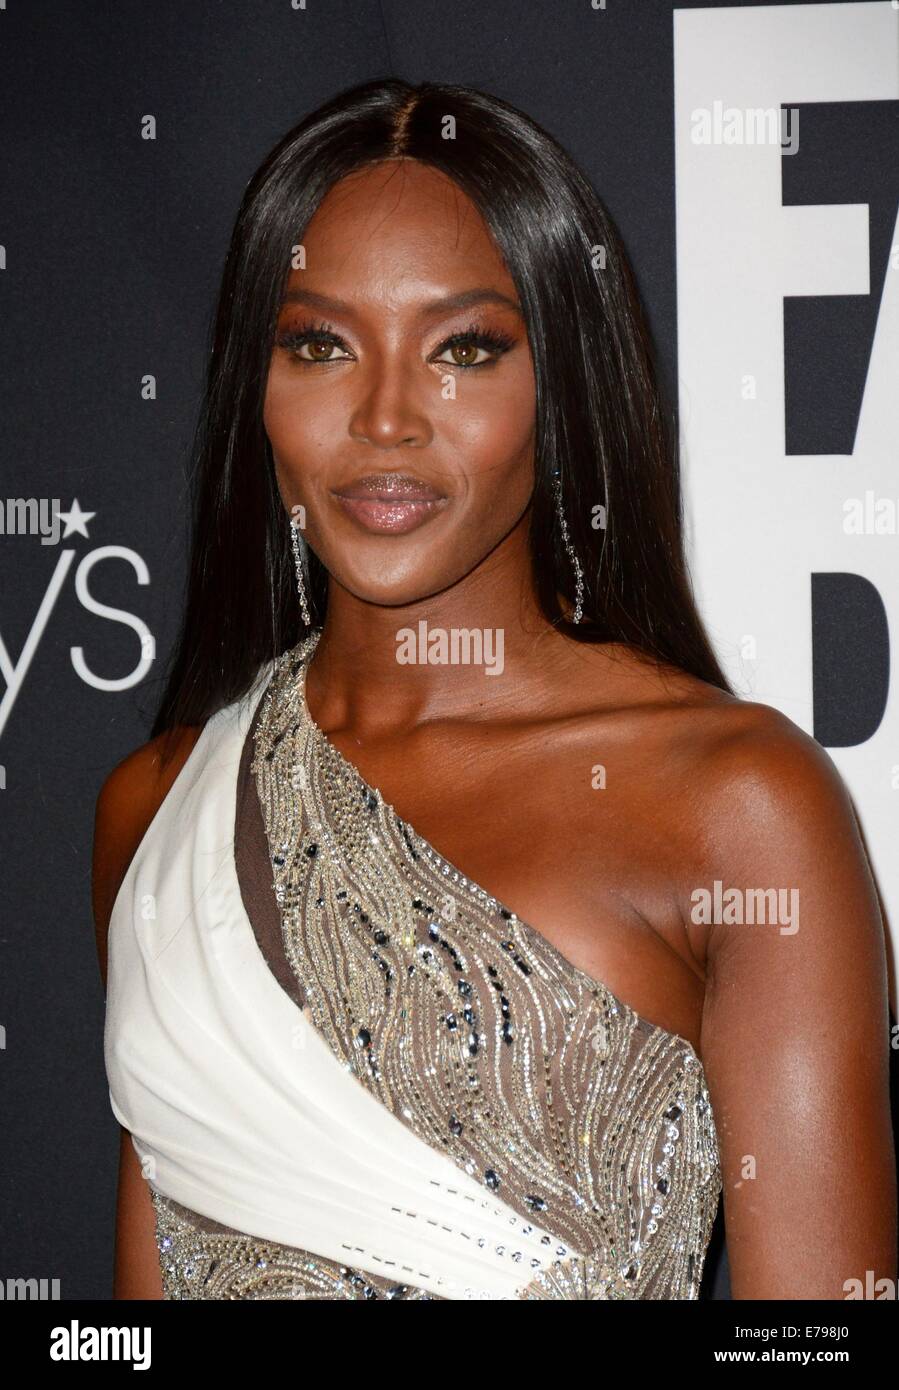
600	416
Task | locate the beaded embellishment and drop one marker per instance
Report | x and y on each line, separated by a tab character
476	1033
200	1258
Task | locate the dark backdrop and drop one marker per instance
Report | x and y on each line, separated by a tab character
114	245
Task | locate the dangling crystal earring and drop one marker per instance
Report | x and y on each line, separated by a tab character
578	572
301	565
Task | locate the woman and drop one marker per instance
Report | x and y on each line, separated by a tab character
411	990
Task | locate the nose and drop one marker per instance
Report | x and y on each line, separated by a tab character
391	409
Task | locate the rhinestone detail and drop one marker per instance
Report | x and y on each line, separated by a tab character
591	1124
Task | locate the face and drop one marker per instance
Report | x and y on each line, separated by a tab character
400	402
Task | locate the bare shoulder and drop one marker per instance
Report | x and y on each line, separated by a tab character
739	749
755	760
729	788
128	800
758	801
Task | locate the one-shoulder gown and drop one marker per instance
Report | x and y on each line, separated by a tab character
350	1072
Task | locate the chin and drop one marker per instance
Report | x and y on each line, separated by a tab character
378	589
392	597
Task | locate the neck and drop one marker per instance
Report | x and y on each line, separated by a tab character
482	643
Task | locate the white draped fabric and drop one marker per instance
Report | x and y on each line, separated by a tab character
237	1107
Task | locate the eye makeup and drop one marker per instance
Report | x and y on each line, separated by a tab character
494	341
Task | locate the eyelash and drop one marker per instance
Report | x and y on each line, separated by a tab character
492	340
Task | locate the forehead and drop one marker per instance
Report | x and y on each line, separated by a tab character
400	221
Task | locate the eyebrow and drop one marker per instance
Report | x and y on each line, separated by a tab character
445	305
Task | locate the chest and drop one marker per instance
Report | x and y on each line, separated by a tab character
579	836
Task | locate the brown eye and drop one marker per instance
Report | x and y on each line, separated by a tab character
322	344
477	347
466	354
319	351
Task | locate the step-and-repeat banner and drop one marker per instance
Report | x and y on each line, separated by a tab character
749	154
786	129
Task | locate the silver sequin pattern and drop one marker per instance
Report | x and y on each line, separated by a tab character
200	1258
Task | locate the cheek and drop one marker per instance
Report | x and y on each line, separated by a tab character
496	453
493	429
495	442
298	434
280	417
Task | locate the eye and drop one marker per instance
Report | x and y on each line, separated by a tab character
466	346
317	344
320	341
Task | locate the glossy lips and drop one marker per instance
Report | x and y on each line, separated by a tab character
390	502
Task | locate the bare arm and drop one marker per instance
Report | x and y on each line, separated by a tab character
795	1027
128	800
137	1272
